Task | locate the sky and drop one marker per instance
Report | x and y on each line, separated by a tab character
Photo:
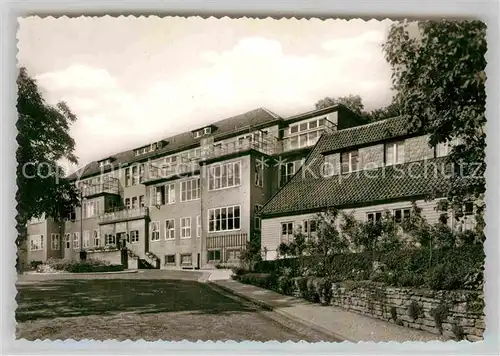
132	81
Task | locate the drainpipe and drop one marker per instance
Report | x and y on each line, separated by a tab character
81	222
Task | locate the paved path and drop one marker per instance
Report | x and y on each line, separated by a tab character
154	305
327	319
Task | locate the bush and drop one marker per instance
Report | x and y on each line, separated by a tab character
35	264
55	265
263	280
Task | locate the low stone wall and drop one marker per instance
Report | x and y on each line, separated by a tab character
454	314
113	257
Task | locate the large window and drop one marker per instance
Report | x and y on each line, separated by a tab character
185	228
349	161
155	230
162	194
224	175
36	242
90	208
224	219
394	153
86	239
96	237
286	232
55	241
135	203
135	175
128	180
305	134
190	189
76	240
170	229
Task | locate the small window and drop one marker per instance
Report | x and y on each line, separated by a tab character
310	226
55	242
207	130
170	229
374	217
185	228
127	203
134	236
155	230
394	153
96	238
233	255
286	231
349	161
400	214
468	209
214	255
169	259
67	240
186	259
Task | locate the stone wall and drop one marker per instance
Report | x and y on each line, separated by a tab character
113	257
454	314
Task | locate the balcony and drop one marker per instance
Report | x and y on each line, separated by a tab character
109	186
124	215
258	142
306	138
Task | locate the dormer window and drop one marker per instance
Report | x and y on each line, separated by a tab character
105	162
198	134
202	132
207	130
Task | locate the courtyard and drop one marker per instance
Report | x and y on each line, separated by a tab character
153	305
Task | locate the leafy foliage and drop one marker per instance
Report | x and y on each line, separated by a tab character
88	266
438	73
251	253
44	140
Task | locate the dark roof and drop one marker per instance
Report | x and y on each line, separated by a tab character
366	134
186	140
305	193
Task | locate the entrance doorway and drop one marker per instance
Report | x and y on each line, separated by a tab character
198	261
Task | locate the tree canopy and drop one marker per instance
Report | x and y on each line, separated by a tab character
438	74
43	141
355	104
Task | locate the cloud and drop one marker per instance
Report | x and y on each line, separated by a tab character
77	76
254	72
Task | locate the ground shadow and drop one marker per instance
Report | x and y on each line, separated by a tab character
67	298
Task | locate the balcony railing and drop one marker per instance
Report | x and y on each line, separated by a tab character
162	171
109	186
124	214
305	138
262	143
227	241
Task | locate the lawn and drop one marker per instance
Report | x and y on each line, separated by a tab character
139	309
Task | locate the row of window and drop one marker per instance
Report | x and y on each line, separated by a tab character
186	259
165	193
134	202
169	229
394	153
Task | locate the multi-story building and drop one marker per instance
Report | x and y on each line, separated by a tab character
190	200
364	170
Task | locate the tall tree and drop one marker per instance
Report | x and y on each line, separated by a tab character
438	73
353	102
43	141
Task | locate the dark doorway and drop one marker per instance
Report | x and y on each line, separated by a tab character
198	261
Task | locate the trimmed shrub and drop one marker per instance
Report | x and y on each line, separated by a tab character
89	266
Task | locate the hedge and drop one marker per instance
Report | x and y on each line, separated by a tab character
443	269
89	266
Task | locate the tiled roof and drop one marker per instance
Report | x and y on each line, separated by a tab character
366	134
186	140
305	192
